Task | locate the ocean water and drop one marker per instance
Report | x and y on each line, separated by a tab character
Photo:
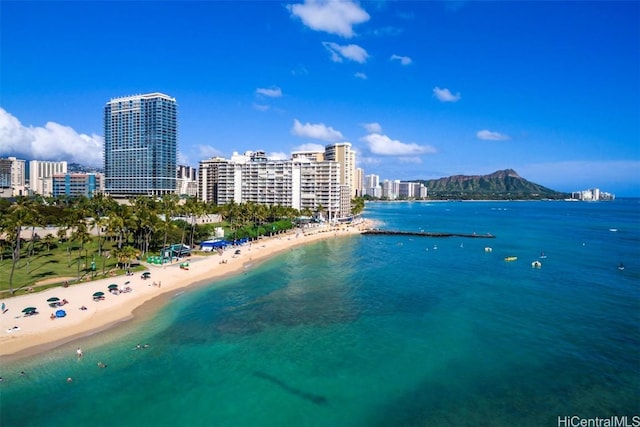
378	331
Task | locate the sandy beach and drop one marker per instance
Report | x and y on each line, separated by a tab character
22	336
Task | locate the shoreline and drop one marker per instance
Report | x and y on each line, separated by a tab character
25	336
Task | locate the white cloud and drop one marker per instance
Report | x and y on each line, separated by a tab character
332	16
368	161
309	147
272	92
53	142
487	135
352	52
277	155
316	131
359	75
385	146
207	151
445	95
404	60
372	127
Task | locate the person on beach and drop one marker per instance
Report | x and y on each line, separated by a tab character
79	352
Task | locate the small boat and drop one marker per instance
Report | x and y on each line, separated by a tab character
613	229
487	249
510	258
536	264
621	266
542	255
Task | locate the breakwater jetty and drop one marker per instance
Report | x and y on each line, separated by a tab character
374	232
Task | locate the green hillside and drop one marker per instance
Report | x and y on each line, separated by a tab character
504	184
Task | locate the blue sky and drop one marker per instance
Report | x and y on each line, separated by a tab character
421	89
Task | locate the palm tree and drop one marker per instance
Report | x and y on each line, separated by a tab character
168	206
99	206
19	214
195	209
125	255
48	240
357	205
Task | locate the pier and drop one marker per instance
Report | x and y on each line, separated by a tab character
427	234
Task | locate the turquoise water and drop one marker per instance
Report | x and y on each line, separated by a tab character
378	331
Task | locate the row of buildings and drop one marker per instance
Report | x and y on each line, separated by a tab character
140	159
592	195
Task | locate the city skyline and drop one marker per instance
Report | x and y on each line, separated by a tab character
421	90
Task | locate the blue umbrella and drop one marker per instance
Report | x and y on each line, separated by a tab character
61	313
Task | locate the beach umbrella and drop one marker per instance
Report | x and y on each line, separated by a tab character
113	286
98	294
146	273
61	313
53	299
29	310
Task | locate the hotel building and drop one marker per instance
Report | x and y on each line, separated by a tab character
41	173
12	177
300	183
140	145
77	184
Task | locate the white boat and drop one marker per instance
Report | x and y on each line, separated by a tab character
536	264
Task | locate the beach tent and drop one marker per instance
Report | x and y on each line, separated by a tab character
61	313
209	245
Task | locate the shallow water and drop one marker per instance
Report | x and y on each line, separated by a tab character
378	331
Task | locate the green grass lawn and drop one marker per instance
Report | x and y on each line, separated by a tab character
61	261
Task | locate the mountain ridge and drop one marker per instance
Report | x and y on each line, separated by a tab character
501	184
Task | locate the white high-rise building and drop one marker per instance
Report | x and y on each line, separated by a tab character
300	183
41	174
372	186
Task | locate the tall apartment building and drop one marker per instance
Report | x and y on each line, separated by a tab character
372	186
12	177
390	189
41	173
359	182
342	153
76	184
140	145
412	190
187	181
298	183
